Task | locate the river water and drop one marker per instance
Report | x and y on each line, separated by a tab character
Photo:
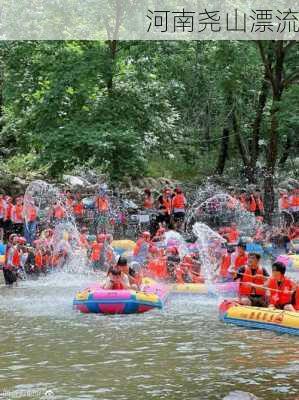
181	352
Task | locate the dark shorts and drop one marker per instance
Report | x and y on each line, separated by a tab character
258	301
179	216
9	276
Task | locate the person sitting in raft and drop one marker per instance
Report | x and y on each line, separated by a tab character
295	299
239	258
122	266
280	288
252	278
114	280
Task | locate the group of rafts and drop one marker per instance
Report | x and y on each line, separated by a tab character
153	295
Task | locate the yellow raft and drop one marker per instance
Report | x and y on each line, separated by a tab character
294	260
123	247
260	318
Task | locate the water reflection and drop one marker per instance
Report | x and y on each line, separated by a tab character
181	352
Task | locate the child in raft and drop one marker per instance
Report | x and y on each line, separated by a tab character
282	291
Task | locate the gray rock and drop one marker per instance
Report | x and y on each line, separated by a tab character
239	395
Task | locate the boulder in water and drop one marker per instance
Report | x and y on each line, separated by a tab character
239	395
75	181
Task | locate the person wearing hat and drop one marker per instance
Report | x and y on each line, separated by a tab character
252	278
281	288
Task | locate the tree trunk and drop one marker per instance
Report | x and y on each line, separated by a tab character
223	152
286	151
113	49
257	126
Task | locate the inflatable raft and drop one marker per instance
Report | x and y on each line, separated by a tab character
291	261
259	318
97	300
228	288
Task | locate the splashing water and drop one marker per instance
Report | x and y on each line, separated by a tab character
209	245
216	208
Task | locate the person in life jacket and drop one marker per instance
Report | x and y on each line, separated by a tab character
2	209
183	273
232	234
97	255
114	280
250	203
160	233
239	257
122	266
280	288
224	264
157	267
30	215
7	223
135	276
102	202
295	298
294	204
17	216
9	272
259	235
194	268
165	206
59	212
142	247
243	199
148	201
259	204
78	208
179	203
253	278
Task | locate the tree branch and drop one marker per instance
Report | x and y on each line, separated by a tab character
266	63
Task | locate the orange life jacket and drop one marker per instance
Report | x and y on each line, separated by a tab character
31	213
102	204
252	204
7	212
284	291
259	204
17	213
117	286
232	235
179	201
78	209
245	289
224	265
294	201
283	203
296	298
59	212
16	258
38	259
167	205
158	267
96	251
2	208
239	260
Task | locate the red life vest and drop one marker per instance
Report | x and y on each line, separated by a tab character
17	214
78	209
7	212
96	251
31	213
259	204
179	201
245	289
167	204
59	212
283	203
38	259
16	258
232	235
102	204
2	208
296	295
294	200
252	204
224	265
117	286
284	291
239	260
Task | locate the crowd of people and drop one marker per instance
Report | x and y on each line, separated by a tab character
32	246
